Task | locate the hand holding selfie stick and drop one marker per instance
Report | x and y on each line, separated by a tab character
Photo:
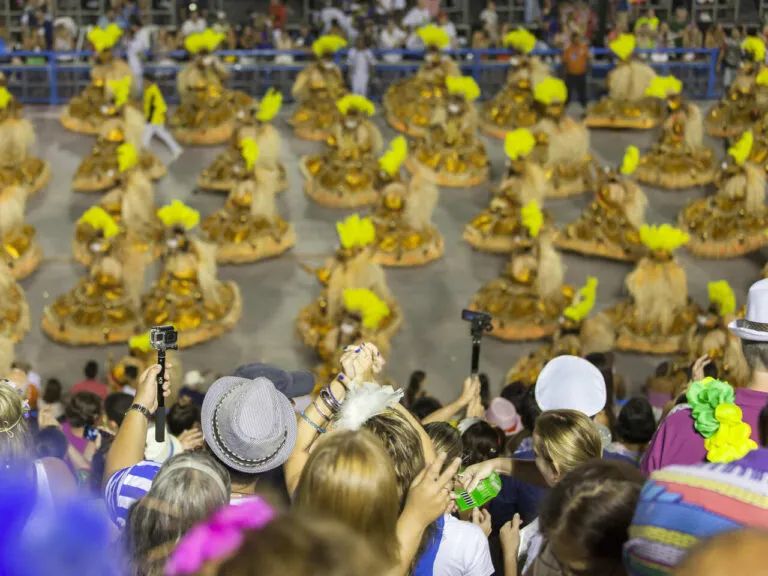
480	322
162	338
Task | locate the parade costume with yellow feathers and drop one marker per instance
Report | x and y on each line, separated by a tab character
229	166
527	301
562	144
659	313
14	309
103	308
411	103
345	175
99	170
610	226
732	222
759	153
352	268
87	112
317	89
513	107
626	106
132	205
188	294
207	111
499	228
451	153
679	159
249	228
740	109
20	249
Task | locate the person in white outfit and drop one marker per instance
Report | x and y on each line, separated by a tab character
361	61
155	109
134	48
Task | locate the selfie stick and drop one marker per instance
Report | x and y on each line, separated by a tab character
477	336
160	414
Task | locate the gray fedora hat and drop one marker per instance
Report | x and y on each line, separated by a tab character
248	424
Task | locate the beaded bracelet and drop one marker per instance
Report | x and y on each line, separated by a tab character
315	426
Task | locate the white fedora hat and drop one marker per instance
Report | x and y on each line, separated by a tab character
755	325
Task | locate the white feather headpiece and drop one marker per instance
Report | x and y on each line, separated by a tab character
363	402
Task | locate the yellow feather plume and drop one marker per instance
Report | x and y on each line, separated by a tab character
395	156
356	232
755	47
762	77
623	46
355	102
664	238
532	218
464	85
741	150
208	41
652	23
631	159
550	90
99	219
179	214
721	293
104	38
249	150
371	308
521	40
329	44
121	90
270	105
434	36
5	97
140	343
663	87
583	301
519	143
127	157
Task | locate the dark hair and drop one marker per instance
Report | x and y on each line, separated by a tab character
481	442
83	409
91	369
116	405
446	439
50	442
636	422
605	362
529	410
763	427
485	389
52	392
414	386
515	392
182	417
425	406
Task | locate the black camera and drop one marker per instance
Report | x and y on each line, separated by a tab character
481	322
163	338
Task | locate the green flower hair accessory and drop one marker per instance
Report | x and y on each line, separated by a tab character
703	397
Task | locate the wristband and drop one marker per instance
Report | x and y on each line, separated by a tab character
315	426
141	410
323	414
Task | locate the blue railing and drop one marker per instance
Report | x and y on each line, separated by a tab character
55	77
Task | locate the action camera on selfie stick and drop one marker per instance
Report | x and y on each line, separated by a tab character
480	322
162	338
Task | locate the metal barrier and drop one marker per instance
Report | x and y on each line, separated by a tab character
55	77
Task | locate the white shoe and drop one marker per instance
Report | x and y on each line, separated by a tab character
176	154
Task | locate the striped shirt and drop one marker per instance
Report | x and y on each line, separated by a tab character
128	486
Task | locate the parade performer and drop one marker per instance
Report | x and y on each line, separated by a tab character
759	153
229	166
451	153
155	110
103	307
410	104
610	226
351	268
249	228
345	175
99	171
207	112
733	221
659	313
626	105
14	309
20	250
513	107
188	294
562	144
88	111
17	135
132	205
528	300
317	89
499	228
739	110
679	159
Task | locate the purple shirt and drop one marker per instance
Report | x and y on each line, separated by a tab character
677	441
79	444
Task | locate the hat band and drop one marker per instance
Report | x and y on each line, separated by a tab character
757	326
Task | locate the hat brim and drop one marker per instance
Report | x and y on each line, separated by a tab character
741	331
292	384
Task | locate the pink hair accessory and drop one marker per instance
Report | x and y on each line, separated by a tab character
218	537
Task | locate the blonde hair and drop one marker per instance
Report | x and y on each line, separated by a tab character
14	431
566	439
349	477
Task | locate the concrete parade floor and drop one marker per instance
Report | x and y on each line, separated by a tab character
433	337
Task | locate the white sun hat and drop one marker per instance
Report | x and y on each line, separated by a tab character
570	382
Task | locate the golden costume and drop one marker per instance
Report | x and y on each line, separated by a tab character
733	221
7	356
20	249
229	166
659	313
626	105
103	307
679	159
528	300
249	228
345	175
513	107
317	89
452	154
132	205
14	310
188	294
410	104
207	111
610	226
499	228
562	144
352	268
87	112
759	153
